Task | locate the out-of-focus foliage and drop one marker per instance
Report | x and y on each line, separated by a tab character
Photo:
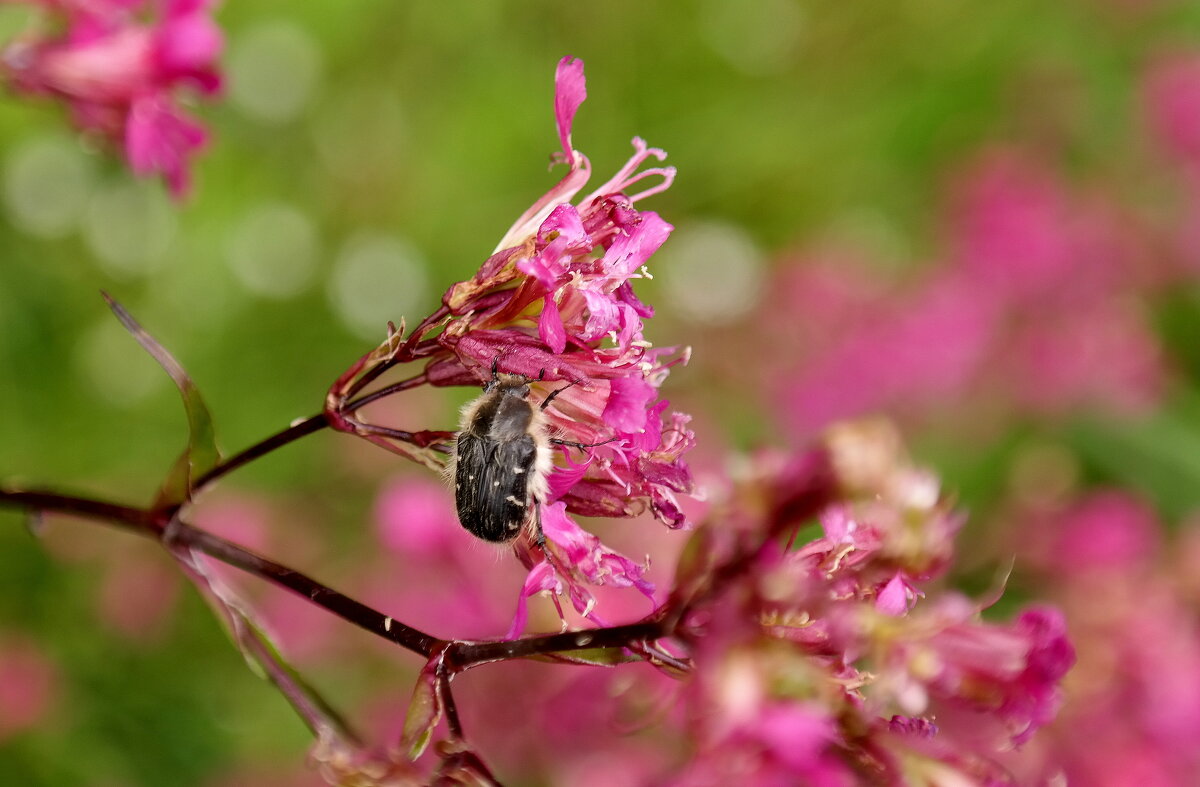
364	157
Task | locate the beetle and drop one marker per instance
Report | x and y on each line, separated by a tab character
502	458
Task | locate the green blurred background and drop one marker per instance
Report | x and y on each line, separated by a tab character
367	155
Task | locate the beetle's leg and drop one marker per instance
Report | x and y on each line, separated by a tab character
546	402
581	446
539	536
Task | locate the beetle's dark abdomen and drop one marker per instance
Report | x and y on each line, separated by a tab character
491	480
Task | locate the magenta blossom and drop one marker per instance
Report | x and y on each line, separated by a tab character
119	65
555	303
878	676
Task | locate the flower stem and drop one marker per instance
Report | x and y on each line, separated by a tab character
309	425
153	525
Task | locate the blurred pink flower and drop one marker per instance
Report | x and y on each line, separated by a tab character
415	516
1133	700
432	573
120	67
28	685
837	661
1031	313
138	593
1171	92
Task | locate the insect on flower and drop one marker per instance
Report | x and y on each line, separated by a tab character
502	458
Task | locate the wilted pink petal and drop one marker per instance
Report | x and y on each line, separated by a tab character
630	252
542	578
587	556
627	405
570	90
629	174
565	477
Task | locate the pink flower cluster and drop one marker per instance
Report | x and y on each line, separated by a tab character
555	303
1033	309
1036	304
119	66
1133	715
838	662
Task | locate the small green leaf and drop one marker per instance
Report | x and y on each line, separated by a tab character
424	712
259	651
201	454
599	657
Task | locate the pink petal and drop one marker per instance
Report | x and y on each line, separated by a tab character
603	315
632	251
158	138
541	578
570	90
626	410
563	479
564	222
550	326
893	599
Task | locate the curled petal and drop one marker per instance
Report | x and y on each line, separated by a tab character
570	90
586	555
565	478
541	578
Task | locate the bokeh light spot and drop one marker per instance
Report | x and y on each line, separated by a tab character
115	367
129	226
273	251
712	272
274	69
754	36
377	278
46	185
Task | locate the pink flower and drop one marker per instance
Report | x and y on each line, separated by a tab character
781	744
28	684
825	662
1132	709
1031	312
415	517
119	66
1012	671
555	303
1172	102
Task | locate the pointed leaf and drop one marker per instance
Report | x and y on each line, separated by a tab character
201	454
259	651
424	712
